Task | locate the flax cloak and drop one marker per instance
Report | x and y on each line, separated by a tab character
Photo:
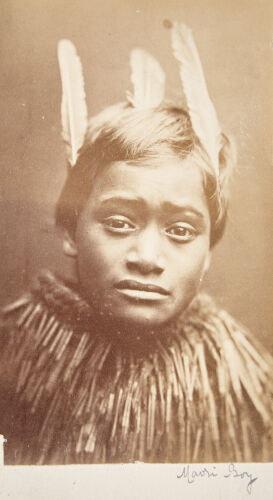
199	390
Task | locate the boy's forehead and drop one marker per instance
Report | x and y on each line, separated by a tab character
175	181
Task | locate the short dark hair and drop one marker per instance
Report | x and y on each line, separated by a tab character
123	133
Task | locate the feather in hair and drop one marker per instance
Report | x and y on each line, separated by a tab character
73	110
201	110
148	80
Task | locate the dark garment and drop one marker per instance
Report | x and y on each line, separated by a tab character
74	391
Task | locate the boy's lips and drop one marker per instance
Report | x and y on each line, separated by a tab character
141	291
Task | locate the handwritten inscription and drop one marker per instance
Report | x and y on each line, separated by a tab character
191	474
233	472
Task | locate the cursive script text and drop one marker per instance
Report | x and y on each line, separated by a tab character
192	474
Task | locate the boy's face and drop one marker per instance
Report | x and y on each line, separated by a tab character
143	241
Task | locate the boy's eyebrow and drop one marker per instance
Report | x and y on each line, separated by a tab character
121	199
176	207
166	206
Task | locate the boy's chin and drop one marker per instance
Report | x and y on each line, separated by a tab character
142	321
138	316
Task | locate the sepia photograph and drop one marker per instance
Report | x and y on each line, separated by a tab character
136	251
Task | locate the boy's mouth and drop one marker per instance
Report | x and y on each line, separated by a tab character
141	291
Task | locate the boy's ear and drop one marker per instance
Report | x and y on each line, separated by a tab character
69	245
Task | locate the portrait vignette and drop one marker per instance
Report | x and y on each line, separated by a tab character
33	163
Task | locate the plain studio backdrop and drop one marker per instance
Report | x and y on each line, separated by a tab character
234	41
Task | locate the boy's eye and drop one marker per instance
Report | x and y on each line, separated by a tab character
118	224
181	232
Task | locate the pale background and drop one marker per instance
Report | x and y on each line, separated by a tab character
132	482
234	41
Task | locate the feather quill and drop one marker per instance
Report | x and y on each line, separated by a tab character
201	110
73	109
148	80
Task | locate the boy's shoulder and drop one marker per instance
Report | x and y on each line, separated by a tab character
49	296
238	362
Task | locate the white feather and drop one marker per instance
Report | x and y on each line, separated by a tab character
148	80
73	110
201	110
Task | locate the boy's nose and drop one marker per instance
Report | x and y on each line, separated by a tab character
145	255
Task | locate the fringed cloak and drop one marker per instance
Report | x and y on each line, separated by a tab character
70	392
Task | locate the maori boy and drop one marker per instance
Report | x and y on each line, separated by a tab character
135	363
